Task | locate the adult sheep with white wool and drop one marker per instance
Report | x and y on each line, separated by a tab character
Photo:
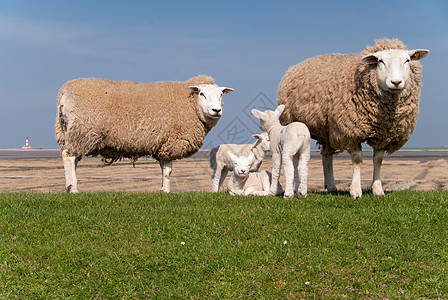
347	99
221	162
123	119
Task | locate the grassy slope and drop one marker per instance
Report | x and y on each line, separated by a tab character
118	245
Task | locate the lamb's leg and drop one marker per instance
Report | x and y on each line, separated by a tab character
222	178
70	165
327	163
377	187
215	179
355	187
166	167
303	173
287	160
295	162
276	165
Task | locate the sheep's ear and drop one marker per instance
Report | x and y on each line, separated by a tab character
251	157
256	136
194	88
258	114
226	90
370	59
418	54
280	109
232	156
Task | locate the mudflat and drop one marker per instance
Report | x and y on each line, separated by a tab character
43	172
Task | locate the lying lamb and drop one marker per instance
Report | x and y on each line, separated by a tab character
291	145
167	120
347	99
244	182
221	163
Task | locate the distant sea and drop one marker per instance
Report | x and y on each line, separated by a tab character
403	154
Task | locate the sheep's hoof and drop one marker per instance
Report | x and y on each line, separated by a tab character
356	194
377	188
331	189
71	190
288	197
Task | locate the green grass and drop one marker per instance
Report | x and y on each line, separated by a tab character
202	245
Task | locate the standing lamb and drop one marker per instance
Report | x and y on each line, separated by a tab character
289	145
221	163
244	182
348	99
115	119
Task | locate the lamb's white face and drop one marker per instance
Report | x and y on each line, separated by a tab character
241	164
210	99
393	67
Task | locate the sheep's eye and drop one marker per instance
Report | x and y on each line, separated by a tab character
407	61
381	62
202	94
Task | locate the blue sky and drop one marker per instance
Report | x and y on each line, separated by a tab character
246	45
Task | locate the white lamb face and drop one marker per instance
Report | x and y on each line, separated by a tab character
210	99
241	164
393	67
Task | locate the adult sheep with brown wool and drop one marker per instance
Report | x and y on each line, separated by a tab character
347	99
123	119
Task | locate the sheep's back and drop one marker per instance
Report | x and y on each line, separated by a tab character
127	119
237	149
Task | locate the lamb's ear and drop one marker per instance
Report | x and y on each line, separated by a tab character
418	54
370	59
258	114
279	110
251	157
232	156
256	136
226	90
194	89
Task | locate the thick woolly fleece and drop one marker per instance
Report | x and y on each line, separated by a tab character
118	119
338	98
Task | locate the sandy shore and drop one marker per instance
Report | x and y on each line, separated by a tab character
43	172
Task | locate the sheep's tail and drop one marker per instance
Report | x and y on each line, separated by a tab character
213	158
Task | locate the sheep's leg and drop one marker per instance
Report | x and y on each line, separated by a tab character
377	187
327	163
289	175
166	167
303	173
355	187
276	165
295	162
222	178
216	179
70	165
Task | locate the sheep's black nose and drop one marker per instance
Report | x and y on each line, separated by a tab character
396	82
216	110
